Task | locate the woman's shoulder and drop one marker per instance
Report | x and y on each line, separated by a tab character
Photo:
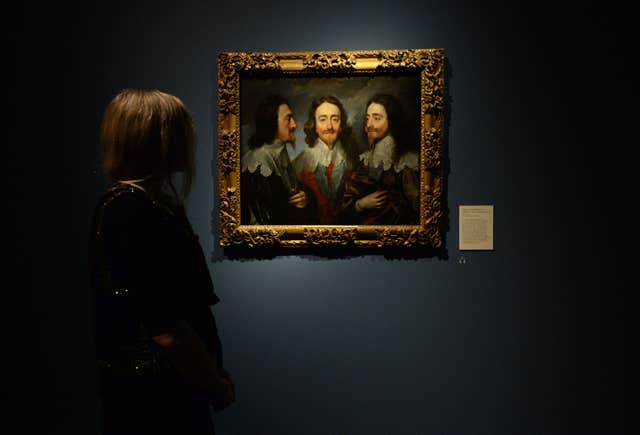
126	205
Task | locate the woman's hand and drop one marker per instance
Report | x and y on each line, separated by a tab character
189	356
226	394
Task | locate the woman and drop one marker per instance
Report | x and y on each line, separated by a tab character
157	345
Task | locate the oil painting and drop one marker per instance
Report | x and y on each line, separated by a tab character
330	148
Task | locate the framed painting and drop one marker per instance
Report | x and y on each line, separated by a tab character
331	148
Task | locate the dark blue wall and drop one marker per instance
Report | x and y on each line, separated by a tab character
510	341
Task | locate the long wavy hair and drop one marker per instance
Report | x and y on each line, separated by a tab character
148	134
398	126
346	136
266	120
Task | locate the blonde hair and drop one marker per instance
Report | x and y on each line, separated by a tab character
148	134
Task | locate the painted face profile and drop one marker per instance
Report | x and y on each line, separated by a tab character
376	123
286	124
328	123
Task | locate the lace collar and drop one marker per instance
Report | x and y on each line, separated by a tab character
321	154
271	158
382	155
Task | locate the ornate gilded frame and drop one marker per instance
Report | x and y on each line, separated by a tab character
429	63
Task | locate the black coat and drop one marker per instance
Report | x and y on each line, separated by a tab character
148	272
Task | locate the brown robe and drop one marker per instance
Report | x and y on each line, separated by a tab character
403	187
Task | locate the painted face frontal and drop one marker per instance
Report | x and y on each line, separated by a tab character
286	124
328	123
376	122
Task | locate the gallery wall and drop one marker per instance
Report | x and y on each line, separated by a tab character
503	342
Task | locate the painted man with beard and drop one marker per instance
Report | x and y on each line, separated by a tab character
328	160
384	189
269	190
